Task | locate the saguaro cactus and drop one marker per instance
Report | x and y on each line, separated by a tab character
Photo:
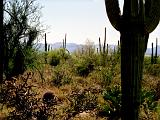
104	45
65	40
107	49
137	21
63	44
45	43
100	47
152	60
156	52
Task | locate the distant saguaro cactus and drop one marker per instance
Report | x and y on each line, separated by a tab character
152	60
49	47
45	40
156	52
65	40
45	45
63	43
100	46
104	45
102	50
137	21
107	49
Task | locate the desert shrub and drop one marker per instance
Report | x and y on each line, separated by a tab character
63	53
112	95
54	57
149	105
81	101
113	58
18	95
54	60
112	107
153	69
84	65
147	60
62	74
106	76
148	99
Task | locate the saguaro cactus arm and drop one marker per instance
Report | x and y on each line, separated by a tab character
152	14
113	12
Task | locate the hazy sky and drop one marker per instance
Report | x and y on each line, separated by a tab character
81	20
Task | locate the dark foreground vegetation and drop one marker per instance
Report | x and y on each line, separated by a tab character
79	86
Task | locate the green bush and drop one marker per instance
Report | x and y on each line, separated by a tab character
81	101
153	69
113	98
106	76
22	60
84	66
54	60
62	75
112	95
55	56
148	99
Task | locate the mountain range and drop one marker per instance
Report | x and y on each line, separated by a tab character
71	47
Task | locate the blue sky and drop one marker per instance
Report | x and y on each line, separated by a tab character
81	20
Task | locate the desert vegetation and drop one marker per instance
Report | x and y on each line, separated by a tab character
56	84
80	87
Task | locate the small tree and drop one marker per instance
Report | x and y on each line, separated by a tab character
21	27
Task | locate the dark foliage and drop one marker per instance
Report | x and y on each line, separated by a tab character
19	96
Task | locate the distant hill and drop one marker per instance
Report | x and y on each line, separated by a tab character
73	46
70	46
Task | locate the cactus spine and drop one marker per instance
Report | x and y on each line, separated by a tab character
137	21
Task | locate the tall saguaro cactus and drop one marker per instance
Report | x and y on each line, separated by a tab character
139	18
